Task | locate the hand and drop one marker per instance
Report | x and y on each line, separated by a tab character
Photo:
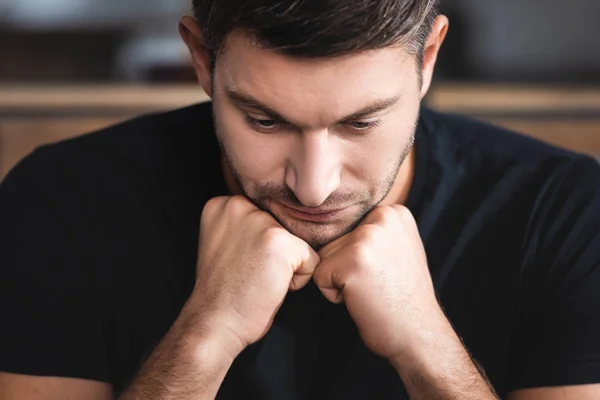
380	271
247	263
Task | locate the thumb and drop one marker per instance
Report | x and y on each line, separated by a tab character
305	267
329	276
325	279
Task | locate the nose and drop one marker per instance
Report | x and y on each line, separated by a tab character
314	171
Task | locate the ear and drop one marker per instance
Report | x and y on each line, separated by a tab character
192	35
432	49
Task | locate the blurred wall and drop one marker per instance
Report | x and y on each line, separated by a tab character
529	40
89	40
52	50
39	14
137	40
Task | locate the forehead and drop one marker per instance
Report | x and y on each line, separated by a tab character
246	66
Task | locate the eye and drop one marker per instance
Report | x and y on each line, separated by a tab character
363	125
262	124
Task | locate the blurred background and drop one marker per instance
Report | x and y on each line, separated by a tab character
71	66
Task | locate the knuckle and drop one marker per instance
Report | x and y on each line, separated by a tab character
275	238
361	253
237	203
386	212
212	206
368	232
241	209
259	219
215	202
404	214
396	212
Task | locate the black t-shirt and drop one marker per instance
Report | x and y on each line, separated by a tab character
99	237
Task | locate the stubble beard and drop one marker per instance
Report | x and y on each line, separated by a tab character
262	194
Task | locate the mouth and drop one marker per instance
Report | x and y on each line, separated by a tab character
314	214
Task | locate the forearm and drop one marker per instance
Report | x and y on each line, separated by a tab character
189	363
439	367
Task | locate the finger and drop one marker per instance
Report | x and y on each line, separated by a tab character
213	207
380	215
211	219
334	246
306	264
334	295
326	277
239	205
405	216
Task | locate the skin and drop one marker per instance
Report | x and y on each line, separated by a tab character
312	156
282	175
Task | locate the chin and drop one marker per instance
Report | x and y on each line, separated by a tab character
315	234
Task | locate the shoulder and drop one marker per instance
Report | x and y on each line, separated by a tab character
94	193
137	139
494	143
153	148
109	202
481	155
523	189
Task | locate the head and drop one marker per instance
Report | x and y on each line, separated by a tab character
316	101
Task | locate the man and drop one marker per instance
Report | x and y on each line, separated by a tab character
320	237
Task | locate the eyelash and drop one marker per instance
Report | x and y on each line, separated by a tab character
257	124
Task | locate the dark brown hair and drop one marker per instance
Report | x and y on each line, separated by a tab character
318	28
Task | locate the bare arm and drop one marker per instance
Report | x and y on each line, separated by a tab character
189	363
576	392
243	276
242	279
380	272
25	387
441	368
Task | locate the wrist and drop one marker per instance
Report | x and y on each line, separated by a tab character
438	362
427	345
208	333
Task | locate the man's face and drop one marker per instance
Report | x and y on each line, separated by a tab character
316	143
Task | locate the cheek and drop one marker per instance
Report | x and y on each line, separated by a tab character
257	157
378	155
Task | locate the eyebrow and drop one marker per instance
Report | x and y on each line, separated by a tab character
242	99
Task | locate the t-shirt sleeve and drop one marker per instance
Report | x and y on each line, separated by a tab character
557	335
51	322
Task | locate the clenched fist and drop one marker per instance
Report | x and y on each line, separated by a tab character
246	264
380	272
